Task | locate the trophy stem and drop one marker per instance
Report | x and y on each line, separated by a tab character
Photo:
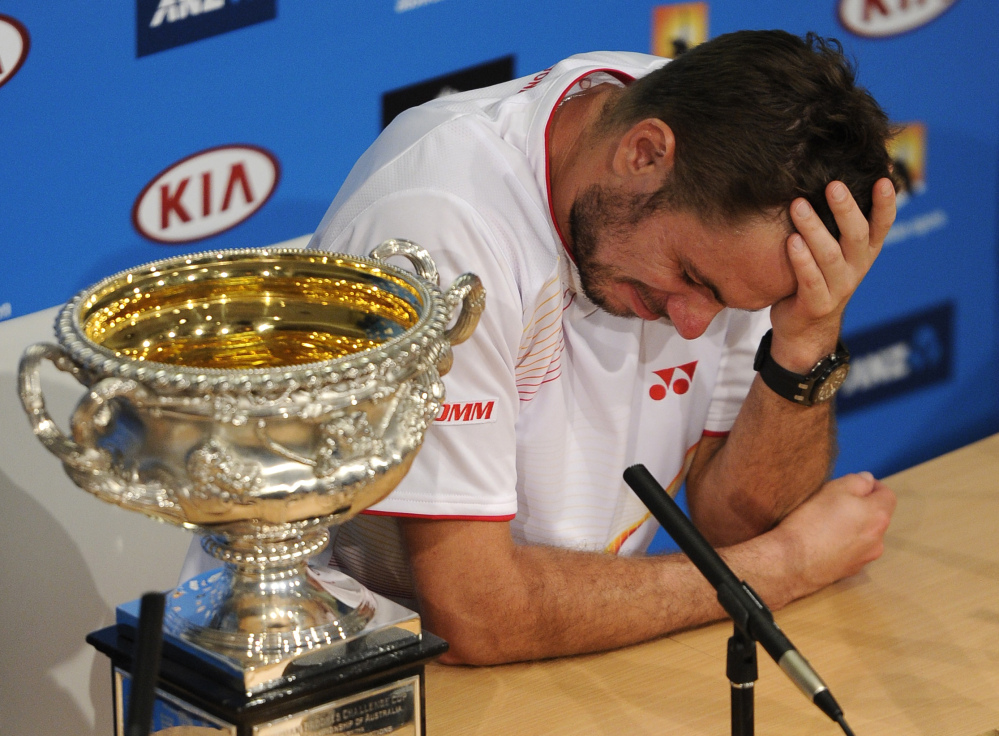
264	606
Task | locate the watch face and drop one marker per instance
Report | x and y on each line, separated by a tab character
828	388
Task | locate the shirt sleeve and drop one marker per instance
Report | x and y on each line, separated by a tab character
735	371
466	467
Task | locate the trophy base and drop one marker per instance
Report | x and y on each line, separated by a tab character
382	694
187	627
368	682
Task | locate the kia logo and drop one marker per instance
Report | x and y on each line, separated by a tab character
14	45
206	194
881	18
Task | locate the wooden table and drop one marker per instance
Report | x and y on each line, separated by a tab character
909	646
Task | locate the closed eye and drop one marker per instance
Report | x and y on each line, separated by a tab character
690	275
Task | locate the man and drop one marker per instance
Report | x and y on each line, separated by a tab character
632	221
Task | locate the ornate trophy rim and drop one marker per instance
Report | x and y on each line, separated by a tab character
387	361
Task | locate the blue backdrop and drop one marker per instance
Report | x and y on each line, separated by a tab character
134	131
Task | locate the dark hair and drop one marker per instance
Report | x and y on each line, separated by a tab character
759	118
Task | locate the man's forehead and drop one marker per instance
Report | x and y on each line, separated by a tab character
745	265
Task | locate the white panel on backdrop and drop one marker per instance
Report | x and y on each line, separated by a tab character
68	560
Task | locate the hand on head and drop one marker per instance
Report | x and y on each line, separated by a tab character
807	323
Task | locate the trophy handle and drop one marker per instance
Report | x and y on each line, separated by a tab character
80	452
29	387
468	291
94	411
421	260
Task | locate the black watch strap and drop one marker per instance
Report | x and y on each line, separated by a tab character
797	387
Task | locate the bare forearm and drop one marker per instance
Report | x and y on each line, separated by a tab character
776	456
562	602
495	601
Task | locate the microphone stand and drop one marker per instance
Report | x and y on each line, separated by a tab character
753	620
740	667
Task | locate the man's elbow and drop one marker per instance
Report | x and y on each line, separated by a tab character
477	638
466	648
734	522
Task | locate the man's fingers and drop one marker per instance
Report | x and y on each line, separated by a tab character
854	229
882	212
813	290
826	252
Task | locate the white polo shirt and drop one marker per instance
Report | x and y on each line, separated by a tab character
551	398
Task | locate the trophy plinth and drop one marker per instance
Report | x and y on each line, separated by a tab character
258	397
369	683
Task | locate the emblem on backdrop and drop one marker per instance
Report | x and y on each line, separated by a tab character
206	194
883	18
897	357
164	24
678	27
908	155
14	45
482	75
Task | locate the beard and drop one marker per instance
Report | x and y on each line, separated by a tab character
597	217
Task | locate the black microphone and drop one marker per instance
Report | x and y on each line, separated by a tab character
146	665
739	600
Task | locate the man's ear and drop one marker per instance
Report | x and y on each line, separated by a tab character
644	154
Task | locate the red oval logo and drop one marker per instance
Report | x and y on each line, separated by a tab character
882	18
206	193
14	45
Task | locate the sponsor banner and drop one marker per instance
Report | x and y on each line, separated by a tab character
164	24
678	27
401	6
898	357
14	45
473	77
206	194
882	18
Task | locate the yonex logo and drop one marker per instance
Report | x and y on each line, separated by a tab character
467	412
536	80
672	382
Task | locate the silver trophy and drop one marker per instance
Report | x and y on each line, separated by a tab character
258	397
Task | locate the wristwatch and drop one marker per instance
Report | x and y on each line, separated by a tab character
818	385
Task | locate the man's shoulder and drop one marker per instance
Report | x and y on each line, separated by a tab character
623	60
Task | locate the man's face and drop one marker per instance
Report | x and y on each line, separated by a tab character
671	265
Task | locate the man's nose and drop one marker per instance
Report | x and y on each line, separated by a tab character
693	315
